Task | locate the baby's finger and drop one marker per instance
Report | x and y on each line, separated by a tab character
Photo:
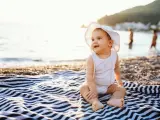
93	95
120	84
89	95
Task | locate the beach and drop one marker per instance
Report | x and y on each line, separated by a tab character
143	70
52	92
43	53
39	80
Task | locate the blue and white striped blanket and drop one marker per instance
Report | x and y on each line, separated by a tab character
56	97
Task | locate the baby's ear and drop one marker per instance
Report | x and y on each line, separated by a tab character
110	43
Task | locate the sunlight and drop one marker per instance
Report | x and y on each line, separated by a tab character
61	12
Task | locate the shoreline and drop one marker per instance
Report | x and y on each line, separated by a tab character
145	69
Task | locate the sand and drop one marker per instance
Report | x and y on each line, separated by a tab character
144	70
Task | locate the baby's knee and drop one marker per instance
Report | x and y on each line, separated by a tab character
83	88
123	89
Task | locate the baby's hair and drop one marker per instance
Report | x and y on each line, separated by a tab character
105	32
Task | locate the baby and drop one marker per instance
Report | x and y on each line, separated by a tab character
102	68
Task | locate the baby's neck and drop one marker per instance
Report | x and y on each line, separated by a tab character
104	54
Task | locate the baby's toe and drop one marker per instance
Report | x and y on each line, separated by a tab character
97	105
122	101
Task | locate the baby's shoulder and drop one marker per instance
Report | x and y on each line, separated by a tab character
89	58
114	52
114	56
89	61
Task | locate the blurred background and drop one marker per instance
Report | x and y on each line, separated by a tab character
40	32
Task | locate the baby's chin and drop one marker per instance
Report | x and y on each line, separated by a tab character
99	50
96	50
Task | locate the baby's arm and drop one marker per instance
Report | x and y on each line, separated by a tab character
117	73
90	78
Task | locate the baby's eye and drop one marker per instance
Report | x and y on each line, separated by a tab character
99	38
92	40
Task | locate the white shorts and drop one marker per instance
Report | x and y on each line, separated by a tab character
102	89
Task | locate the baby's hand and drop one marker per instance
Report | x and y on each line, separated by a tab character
120	83
91	94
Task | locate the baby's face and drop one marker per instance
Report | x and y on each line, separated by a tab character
100	42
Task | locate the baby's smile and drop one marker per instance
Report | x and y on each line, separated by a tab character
95	46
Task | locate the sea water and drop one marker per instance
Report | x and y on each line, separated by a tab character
23	44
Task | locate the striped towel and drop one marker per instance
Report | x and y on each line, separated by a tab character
56	97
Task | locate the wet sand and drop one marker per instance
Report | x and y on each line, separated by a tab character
144	70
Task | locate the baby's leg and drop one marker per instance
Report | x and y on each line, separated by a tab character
96	104
118	94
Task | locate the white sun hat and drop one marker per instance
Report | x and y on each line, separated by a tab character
113	34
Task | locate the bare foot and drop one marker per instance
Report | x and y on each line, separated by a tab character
116	102
96	105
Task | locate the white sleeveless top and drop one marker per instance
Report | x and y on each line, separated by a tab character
104	69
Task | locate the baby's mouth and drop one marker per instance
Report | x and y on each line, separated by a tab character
95	46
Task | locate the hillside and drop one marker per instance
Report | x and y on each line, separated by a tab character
146	14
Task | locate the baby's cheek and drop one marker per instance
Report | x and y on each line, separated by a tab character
91	46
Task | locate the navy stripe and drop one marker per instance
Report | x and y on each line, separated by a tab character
57	97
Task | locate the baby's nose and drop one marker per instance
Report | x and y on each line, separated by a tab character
95	41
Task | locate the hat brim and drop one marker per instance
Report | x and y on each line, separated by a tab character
113	34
